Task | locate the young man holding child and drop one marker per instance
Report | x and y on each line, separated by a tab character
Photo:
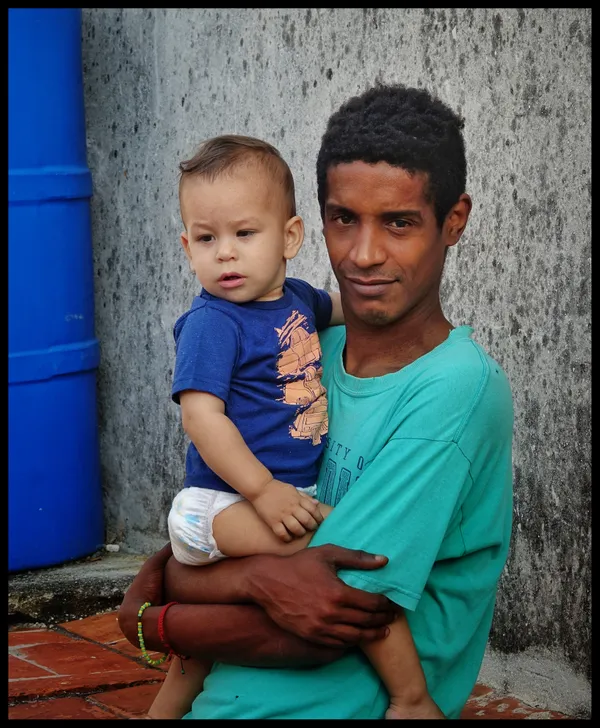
417	466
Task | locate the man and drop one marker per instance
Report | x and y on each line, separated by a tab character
418	465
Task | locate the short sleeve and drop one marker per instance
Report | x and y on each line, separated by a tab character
207	347
401	507
317	299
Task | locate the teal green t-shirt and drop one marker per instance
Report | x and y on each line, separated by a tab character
418	465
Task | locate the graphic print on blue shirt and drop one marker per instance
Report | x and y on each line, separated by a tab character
299	366
263	359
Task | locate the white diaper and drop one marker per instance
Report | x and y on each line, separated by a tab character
190	522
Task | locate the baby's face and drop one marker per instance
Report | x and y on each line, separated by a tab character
235	234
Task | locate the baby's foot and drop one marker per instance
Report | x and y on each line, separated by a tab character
426	711
392	714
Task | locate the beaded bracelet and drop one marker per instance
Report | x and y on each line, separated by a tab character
145	654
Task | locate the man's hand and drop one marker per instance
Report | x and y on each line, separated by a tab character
303	614
303	594
287	511
147	586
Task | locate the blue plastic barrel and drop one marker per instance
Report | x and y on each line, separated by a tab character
54	491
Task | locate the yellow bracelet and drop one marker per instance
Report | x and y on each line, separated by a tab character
145	654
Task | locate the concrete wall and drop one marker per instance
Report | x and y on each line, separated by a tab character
159	81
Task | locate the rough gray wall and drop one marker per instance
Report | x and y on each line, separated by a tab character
159	81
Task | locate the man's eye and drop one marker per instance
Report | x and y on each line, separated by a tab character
399	223
342	218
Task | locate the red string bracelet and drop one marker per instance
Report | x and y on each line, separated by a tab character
163	638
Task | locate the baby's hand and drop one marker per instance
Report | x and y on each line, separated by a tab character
286	510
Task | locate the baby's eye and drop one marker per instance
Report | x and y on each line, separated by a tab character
245	233
205	238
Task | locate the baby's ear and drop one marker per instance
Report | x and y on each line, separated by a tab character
186	246
185	242
293	237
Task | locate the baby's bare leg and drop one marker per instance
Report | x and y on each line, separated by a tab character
178	692
397	663
239	531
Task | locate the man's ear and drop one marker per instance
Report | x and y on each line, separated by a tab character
293	237
456	220
186	246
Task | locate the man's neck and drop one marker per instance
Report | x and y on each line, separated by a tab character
374	351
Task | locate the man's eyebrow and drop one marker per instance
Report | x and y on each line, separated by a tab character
387	215
395	214
334	207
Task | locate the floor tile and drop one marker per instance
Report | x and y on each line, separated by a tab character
103	628
126	648
18	668
506	708
77	665
133	702
480	690
58	686
36	637
59	708
86	669
76	657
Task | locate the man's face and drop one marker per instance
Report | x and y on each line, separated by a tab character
385	247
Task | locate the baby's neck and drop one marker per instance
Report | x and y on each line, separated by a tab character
272	295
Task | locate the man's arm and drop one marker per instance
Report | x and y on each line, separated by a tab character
231	629
235	634
300	593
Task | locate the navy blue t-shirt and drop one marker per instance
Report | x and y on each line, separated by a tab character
263	359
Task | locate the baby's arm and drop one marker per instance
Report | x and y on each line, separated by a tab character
397	663
222	447
337	315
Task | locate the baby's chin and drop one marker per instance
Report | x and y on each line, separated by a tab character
233	295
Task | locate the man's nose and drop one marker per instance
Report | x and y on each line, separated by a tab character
226	250
368	249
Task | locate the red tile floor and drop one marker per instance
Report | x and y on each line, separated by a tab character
87	669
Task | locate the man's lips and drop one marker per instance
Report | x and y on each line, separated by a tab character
231	280
370	286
